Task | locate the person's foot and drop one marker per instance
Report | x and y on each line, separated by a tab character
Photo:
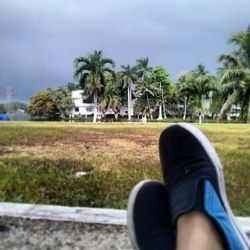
148	217
194	180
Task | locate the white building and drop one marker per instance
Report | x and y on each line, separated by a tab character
234	112
84	106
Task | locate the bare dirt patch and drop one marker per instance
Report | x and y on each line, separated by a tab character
104	150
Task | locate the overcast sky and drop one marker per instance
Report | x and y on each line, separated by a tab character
39	40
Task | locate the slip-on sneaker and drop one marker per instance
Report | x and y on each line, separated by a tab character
148	217
194	179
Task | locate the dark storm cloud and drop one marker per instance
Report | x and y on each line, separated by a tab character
40	39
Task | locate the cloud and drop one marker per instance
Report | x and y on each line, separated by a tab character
40	39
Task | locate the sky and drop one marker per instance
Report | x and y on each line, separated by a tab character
39	40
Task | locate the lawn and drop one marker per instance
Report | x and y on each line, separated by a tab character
39	162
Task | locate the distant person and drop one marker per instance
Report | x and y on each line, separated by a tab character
4	117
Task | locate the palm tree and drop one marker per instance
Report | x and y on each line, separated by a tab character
143	69
235	75
111	98
198	85
232	80
146	88
182	91
128	76
90	71
242	40
200	70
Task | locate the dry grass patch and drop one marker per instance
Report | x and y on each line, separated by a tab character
45	156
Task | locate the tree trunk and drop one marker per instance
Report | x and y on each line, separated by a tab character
185	108
227	106
95	107
151	117
223	112
62	112
244	112
160	112
200	109
164	110
129	103
248	113
245	108
200	118
163	103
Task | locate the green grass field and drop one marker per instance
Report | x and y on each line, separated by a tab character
38	162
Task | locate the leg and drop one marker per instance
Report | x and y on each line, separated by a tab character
149	218
195	231
194	179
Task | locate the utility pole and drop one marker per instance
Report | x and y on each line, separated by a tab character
8	96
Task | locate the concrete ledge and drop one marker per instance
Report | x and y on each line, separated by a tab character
62	213
77	214
28	226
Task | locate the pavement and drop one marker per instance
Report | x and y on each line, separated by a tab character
29	226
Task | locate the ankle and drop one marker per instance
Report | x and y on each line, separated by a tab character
195	230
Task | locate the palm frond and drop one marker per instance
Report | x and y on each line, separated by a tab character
231	74
81	60
108	61
237	38
229	59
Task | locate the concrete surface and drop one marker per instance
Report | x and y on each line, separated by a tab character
21	234
28	226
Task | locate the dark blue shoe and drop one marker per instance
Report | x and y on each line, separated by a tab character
149	219
194	179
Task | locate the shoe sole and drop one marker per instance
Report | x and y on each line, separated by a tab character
219	171
130	211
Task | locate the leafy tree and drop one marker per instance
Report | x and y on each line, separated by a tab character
160	77
2	108
127	77
63	100
235	75
90	71
70	86
42	105
14	106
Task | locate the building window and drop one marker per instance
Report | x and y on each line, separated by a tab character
86	101
89	109
76	109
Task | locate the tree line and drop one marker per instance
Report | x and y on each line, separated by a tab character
13	107
150	90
